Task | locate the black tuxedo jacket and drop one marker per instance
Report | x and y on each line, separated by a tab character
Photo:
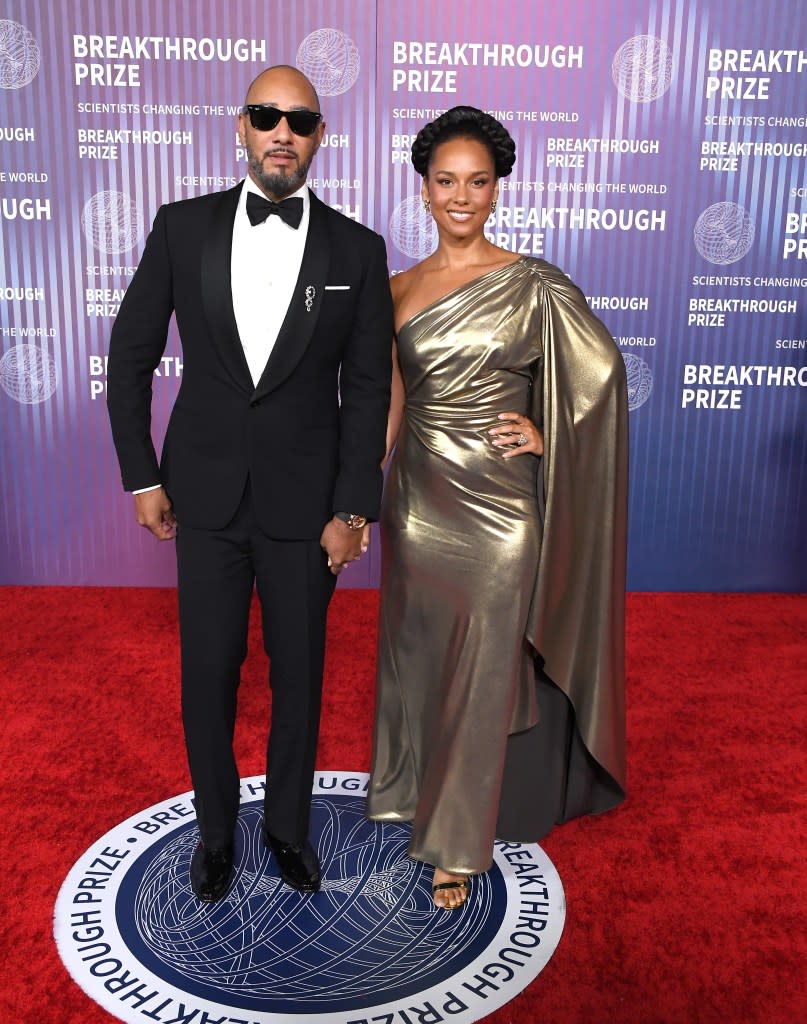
307	453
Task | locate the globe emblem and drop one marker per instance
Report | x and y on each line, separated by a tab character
372	930
330	59
413	230
642	68
724	233
19	55
27	374
640	380
112	222
369	941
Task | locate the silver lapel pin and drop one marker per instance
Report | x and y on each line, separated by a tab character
310	292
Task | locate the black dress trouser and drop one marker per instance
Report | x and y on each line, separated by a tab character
217	570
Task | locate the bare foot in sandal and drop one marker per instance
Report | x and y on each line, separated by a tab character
449	891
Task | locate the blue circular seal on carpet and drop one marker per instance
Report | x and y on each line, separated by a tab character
369	945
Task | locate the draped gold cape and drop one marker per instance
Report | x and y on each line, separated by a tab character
500	702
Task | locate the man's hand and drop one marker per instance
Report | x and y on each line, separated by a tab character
153	511
341	544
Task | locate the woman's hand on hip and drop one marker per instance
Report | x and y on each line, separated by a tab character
518	435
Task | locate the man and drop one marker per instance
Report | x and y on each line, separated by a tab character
271	462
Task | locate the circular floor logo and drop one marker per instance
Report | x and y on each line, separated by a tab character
370	945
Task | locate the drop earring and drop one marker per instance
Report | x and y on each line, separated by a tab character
427	205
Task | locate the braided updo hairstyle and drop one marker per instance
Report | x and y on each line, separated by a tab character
465	123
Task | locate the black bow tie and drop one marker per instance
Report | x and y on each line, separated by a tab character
258	209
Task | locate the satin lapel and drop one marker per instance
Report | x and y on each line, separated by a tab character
303	312
217	296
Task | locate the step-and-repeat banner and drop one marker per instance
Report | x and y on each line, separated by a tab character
661	163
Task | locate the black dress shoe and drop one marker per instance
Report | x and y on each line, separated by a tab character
299	865
211	871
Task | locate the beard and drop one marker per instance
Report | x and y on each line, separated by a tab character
278	183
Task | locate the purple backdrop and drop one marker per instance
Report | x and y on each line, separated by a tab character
661	163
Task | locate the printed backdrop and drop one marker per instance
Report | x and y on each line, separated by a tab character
661	163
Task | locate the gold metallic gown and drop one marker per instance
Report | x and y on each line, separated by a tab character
500	705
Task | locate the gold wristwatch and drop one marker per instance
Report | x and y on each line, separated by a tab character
352	521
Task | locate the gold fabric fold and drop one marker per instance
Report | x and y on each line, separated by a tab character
492	567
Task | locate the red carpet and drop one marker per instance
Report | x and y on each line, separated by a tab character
688	904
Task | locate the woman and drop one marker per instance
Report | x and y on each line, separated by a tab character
500	675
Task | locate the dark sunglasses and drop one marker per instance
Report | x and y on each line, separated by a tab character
264	118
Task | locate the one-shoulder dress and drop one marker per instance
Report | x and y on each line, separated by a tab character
500	680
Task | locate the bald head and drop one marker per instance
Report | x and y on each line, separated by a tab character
283	79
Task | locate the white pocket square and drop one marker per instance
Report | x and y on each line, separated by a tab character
337	287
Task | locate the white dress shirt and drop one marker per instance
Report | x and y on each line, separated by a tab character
265	265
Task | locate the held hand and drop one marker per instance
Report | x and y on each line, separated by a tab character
153	511
341	544
518	434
